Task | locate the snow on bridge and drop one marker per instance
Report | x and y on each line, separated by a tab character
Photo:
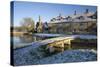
62	41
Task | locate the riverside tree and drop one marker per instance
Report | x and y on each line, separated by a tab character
28	25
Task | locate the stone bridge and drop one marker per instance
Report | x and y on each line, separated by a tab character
61	42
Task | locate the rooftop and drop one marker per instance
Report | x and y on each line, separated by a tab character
90	16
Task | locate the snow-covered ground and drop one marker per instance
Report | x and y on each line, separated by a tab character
70	56
30	56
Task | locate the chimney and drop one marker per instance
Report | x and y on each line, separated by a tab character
87	11
59	14
75	12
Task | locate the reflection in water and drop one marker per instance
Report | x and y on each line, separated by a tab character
27	39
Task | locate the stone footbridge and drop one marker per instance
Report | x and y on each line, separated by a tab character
61	42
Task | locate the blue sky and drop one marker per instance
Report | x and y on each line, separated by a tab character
45	10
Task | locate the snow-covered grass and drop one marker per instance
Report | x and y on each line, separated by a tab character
40	55
70	56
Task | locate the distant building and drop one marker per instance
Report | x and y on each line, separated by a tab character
76	23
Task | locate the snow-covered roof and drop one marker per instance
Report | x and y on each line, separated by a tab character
74	18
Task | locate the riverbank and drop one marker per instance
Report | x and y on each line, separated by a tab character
34	56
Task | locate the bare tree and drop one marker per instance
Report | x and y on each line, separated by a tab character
27	24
